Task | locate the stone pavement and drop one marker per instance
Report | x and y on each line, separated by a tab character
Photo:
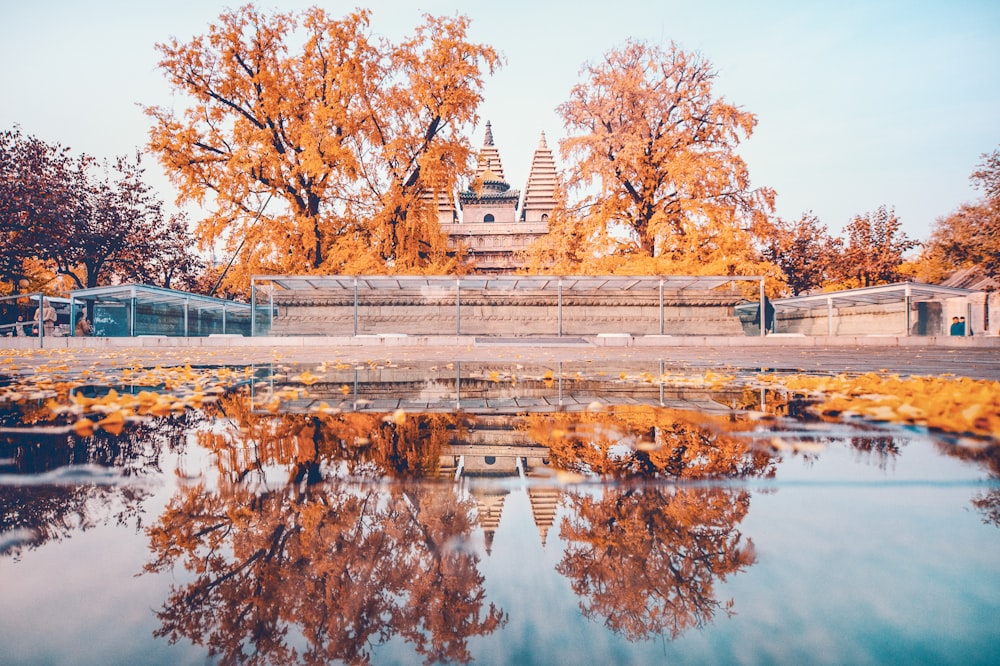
970	357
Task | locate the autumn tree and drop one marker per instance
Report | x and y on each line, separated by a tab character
874	250
37	185
88	221
116	228
804	251
971	235
673	445
653	151
341	131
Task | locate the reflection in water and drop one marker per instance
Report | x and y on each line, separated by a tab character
987	503
346	566
323	572
646	559
321	521
648	442
313	446
58	483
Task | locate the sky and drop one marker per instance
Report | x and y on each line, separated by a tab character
859	103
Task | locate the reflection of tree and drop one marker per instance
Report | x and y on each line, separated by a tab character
646	559
987	457
988	504
324	572
647	441
879	450
365	444
43	512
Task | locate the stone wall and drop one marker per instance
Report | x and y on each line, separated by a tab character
501	313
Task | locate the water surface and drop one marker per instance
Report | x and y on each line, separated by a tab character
496	514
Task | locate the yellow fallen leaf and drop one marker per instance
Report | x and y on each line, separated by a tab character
84	427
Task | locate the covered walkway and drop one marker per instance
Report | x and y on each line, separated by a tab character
132	310
908	299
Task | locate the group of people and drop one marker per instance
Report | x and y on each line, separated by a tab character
958	326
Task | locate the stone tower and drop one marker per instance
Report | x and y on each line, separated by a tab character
491	220
540	192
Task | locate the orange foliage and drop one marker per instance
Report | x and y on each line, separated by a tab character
646	127
344	567
648	441
368	444
950	404
647	559
332	142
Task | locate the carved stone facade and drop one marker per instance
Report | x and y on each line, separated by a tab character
492	221
499	313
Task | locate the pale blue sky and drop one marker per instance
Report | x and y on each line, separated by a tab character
859	104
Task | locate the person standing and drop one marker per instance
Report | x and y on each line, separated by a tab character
956	327
48	317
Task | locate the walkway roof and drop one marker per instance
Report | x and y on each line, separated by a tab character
889	293
149	294
617	283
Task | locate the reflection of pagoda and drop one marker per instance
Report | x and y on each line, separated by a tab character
544	502
495	449
495	223
490	504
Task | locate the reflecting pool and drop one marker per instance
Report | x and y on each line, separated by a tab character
501	514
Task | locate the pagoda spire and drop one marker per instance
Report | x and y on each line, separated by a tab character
489	157
540	192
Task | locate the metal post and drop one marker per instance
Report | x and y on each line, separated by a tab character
829	316
253	307
187	303
560	383
40	322
663	371
560	307
131	319
270	308
223	318
909	299
355	306
72	316
968	317
763	313
458	306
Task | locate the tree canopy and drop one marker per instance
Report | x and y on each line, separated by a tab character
874	250
971	235
91	222
804	251
344	130
652	150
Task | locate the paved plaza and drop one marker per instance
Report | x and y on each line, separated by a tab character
968	357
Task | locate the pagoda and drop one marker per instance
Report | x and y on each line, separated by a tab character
492	221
